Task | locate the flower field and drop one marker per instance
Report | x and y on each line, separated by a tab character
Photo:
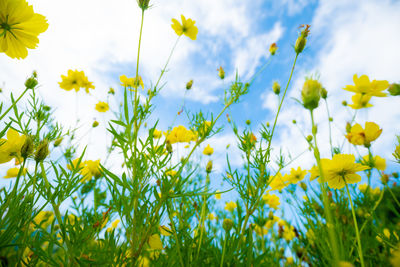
151	191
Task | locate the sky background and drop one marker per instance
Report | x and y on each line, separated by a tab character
100	38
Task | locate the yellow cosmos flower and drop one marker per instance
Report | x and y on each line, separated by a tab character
11	147
297	175
230	206
260	230
288	233
278	182
75	80
114	225
155	242
271	200
360	101
314	171
171	173
157	134
43	218
211	216
208	150
364	86
13	172
102	107
360	136
131	82
376	162
88	168
187	27
341	169
180	135
19	28
217	196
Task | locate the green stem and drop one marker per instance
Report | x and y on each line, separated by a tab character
203	214
224	249
166	64
15	103
329	125
178	245
21	169
325	200
355	226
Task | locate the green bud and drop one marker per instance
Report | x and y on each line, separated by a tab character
276	88
169	147
394	89
302	39
344	103
324	93
303	186
309	138
31	83
58	141
248	122
348	127
27	147
227	224
143	4
42	151
294	121
95	124
189	85
311	93
395	175
209	166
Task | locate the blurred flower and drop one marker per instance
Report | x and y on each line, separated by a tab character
376	162
360	136
19	28
341	169
230	206
395	258
208	150
360	101
157	134
218	196
13	172
278	182
102	107
11	147
297	175
75	80
273	48
180	135
164	230
271	200
155	242
131	82
363	86
171	173
187	27
114	225
211	216
221	73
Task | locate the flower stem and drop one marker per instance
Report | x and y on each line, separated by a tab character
355	226
15	103
224	249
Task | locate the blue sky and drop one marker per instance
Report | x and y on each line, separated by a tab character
347	37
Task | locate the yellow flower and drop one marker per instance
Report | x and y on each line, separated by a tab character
114	225
271	200
208	150
43	218
260	230
341	169
360	101
376	162
297	175
155	242
289	260
187	27
314	171
278	182
230	206
395	259
75	80
363	188
180	135
217	196
360	136
19	28
211	216
171	173
157	134
131	82
13	172
91	169
11	147
102	107
363	86
164	230
289	233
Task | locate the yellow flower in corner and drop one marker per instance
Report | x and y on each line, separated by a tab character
364	86
102	107
341	169
360	136
13	172
187	27
208	150
19	28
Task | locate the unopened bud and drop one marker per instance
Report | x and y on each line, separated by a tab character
302	39
385	179
248	122
209	166
303	186
324	93
309	138
143	4
95	124
227	224
169	147
42	151
344	103
27	147
189	85
111	91
276	88
294	121
348	127
394	89
273	48
395	175
31	83
311	93
221	73
58	141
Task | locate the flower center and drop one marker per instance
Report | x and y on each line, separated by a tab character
5	26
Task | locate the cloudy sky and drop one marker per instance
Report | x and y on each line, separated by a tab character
100	38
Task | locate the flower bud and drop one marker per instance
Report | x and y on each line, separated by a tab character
111	91
169	147
58	141
248	122
385	179
95	124
309	138
344	103
273	48
143	4
302	39
42	151
310	94
189	85
348	127
394	89
294	121
209	166
221	73
27	147
31	83
276	88
227	224
303	186
395	175
324	93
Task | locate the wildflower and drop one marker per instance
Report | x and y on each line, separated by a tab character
102	107
155	242
276	87
13	172
341	170
187	27
272	49
114	225
394	89
227	224
111	91
95	124
208	150
19	28
289	260
157	134
11	147
297	175
360	101
278	182
75	80
171	173
260	230
189	85
289	233
43	218
180	135
221	73
218	196
271	200
134	82
211	216
230	206
90	169
364	86
311	93
360	136
302	39
376	162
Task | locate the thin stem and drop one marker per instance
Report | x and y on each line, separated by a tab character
329	125
15	103
224	249
166	64
203	214
355	226
178	245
